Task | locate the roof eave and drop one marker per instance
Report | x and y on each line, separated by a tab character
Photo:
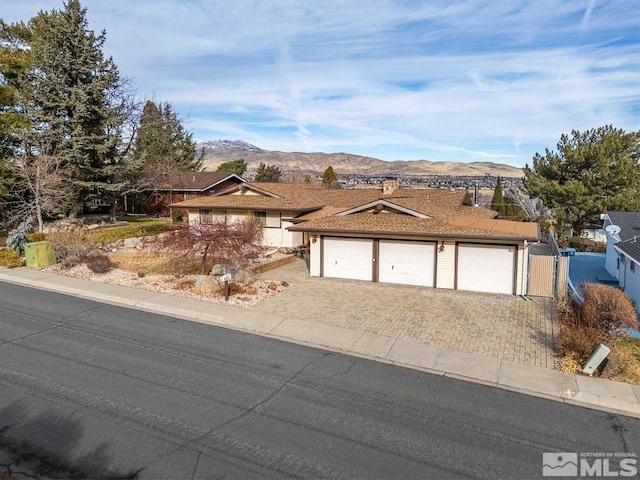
414	234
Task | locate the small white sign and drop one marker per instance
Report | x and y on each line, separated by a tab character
226	278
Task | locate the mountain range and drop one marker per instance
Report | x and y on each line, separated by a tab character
218	151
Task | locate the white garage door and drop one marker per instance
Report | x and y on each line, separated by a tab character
410	263
348	258
486	268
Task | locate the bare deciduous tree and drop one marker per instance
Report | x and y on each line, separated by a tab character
532	207
38	191
231	243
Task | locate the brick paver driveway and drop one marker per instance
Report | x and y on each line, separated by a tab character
501	326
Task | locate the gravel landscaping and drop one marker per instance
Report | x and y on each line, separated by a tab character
242	295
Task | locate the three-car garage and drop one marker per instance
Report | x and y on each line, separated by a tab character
474	266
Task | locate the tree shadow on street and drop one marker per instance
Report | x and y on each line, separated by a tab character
43	446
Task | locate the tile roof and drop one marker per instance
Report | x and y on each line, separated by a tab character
631	247
293	197
629	223
448	211
192	180
395	223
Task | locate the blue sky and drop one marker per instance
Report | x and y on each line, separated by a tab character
464	81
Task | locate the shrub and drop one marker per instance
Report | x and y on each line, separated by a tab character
9	258
578	341
607	308
99	263
71	249
176	216
18	237
36	237
575	242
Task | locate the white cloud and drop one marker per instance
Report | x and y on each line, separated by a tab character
470	79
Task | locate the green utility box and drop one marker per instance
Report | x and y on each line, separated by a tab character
39	254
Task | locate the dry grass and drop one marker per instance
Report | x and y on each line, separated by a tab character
580	332
155	263
624	361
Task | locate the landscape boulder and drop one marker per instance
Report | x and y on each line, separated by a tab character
243	276
207	284
134	242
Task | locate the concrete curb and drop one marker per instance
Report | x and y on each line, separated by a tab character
615	397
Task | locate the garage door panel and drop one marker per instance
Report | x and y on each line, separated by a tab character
486	268
348	258
409	263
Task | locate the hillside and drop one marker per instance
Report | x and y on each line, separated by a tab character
218	151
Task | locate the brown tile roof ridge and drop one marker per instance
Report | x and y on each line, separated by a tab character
192	180
400	224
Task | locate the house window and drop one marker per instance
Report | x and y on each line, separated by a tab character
262	216
206	216
633	266
212	192
273	220
220	215
188	196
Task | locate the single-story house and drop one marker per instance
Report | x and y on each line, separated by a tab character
180	186
629	268
428	237
619	227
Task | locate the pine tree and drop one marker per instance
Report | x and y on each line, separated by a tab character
162	141
75	101
329	177
591	172
267	173
239	167
497	202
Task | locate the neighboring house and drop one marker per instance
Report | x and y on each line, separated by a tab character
628	224
629	268
428	237
180	186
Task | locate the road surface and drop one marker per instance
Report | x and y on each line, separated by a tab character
109	392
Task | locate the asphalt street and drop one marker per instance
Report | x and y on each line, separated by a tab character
109	392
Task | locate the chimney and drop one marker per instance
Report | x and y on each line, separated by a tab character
193	179
389	186
475	195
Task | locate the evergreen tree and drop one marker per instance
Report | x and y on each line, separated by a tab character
267	173
239	167
591	172
329	177
75	102
162	143
497	202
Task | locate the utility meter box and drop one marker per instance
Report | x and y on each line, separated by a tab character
596	358
39	254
